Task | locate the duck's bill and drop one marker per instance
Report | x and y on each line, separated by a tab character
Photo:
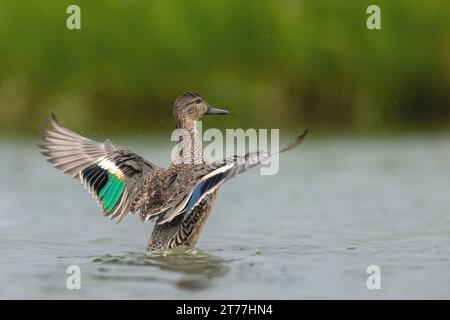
213	111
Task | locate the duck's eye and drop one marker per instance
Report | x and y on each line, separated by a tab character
198	101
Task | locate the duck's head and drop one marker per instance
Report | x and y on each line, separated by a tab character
191	106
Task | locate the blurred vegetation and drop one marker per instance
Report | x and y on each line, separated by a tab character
275	64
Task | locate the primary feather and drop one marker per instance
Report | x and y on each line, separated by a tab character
113	176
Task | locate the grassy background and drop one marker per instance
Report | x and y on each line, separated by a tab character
277	64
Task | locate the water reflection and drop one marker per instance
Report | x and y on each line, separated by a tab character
193	268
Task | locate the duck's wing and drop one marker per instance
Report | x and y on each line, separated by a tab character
210	176
113	176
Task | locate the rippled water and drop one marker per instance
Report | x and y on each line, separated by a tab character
336	207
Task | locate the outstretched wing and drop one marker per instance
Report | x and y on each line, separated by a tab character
211	176
111	175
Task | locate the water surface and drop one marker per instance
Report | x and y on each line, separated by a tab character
336	207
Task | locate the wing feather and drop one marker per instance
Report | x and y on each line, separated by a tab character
210	177
110	174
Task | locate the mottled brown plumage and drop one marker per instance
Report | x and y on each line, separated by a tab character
180	198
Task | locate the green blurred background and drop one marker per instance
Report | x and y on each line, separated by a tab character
275	64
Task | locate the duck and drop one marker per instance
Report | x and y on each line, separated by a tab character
179	198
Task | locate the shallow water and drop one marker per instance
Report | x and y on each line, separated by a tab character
336	207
